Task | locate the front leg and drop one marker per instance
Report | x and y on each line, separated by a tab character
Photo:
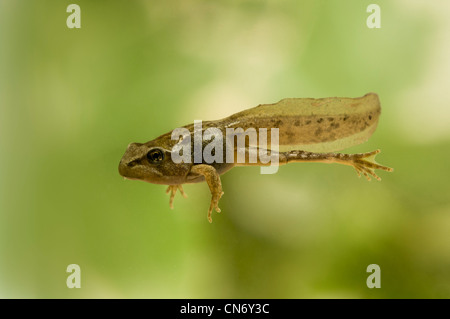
172	189
215	186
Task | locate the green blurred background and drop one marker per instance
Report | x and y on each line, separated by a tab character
72	99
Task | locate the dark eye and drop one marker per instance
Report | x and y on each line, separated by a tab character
155	155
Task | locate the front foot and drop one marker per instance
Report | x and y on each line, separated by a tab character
365	164
173	190
215	186
215	202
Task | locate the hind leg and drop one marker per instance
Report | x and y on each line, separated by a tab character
364	163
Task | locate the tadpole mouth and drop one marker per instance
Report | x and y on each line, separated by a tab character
123	169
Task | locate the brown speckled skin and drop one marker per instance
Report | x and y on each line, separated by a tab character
306	126
306	122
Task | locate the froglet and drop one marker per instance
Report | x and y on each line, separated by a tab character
309	130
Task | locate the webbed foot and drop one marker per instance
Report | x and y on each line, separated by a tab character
365	164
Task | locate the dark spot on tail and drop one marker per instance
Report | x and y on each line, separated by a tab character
318	131
335	125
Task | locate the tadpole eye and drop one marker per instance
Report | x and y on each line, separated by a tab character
155	155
